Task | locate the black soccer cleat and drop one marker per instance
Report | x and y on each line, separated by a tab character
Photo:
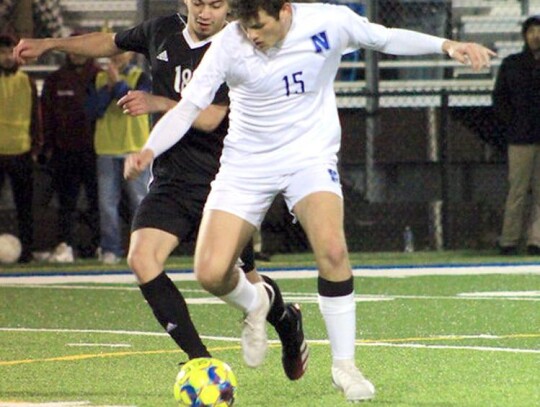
295	351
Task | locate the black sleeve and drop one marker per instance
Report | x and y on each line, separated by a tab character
501	96
135	39
222	96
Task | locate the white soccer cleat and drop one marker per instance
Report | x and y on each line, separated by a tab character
63	253
254	338
348	379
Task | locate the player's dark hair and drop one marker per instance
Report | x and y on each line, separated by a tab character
249	9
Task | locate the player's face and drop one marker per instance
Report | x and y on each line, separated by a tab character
532	36
206	17
265	31
6	57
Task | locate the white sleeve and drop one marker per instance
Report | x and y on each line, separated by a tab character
172	127
359	32
407	42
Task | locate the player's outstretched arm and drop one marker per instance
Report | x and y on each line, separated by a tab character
92	45
138	102
469	53
172	127
136	163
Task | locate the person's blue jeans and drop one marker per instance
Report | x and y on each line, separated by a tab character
111	181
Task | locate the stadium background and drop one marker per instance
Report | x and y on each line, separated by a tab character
420	145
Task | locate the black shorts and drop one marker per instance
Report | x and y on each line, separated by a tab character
179	212
172	210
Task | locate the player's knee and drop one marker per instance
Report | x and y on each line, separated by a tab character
143	263
211	275
211	282
334	255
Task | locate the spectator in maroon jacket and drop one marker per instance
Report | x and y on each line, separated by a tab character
19	139
68	143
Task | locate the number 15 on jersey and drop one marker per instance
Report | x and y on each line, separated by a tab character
294	83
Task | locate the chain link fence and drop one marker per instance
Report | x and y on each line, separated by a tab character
421	147
38	18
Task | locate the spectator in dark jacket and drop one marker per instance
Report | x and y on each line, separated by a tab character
68	137
20	139
516	100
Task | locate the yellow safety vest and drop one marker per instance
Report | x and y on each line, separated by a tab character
15	114
116	132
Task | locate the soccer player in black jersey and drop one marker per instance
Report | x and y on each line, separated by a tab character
171	212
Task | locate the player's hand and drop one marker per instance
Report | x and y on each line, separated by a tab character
29	49
138	102
136	163
112	74
469	53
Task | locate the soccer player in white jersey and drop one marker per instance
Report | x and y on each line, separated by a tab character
171	211
279	60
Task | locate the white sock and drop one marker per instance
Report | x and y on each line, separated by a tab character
339	314
244	296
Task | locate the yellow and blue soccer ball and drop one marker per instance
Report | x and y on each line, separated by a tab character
205	382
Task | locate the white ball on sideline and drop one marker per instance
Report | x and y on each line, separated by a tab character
10	248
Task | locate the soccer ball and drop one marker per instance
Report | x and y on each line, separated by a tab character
10	248
205	382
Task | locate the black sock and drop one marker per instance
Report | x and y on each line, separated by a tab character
276	315
170	309
335	289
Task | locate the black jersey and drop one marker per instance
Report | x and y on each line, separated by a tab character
194	160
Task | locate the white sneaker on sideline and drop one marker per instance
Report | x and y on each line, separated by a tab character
63	253
109	258
254	338
347	378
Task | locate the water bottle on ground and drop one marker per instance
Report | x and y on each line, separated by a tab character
408	240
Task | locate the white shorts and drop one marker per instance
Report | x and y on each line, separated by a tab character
250	196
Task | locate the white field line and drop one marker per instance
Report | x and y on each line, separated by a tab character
382	343
100	345
473	348
502	294
456	347
53	404
388	272
311	298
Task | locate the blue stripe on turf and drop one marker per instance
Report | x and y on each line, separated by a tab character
271	269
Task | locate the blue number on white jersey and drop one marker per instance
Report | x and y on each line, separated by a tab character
297	83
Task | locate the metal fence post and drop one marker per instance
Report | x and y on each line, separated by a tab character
525	7
445	169
372	107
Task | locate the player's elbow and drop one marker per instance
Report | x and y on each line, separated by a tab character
206	127
209	119
207	124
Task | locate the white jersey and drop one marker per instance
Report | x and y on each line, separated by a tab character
283	113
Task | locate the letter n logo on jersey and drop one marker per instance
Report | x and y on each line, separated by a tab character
321	42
